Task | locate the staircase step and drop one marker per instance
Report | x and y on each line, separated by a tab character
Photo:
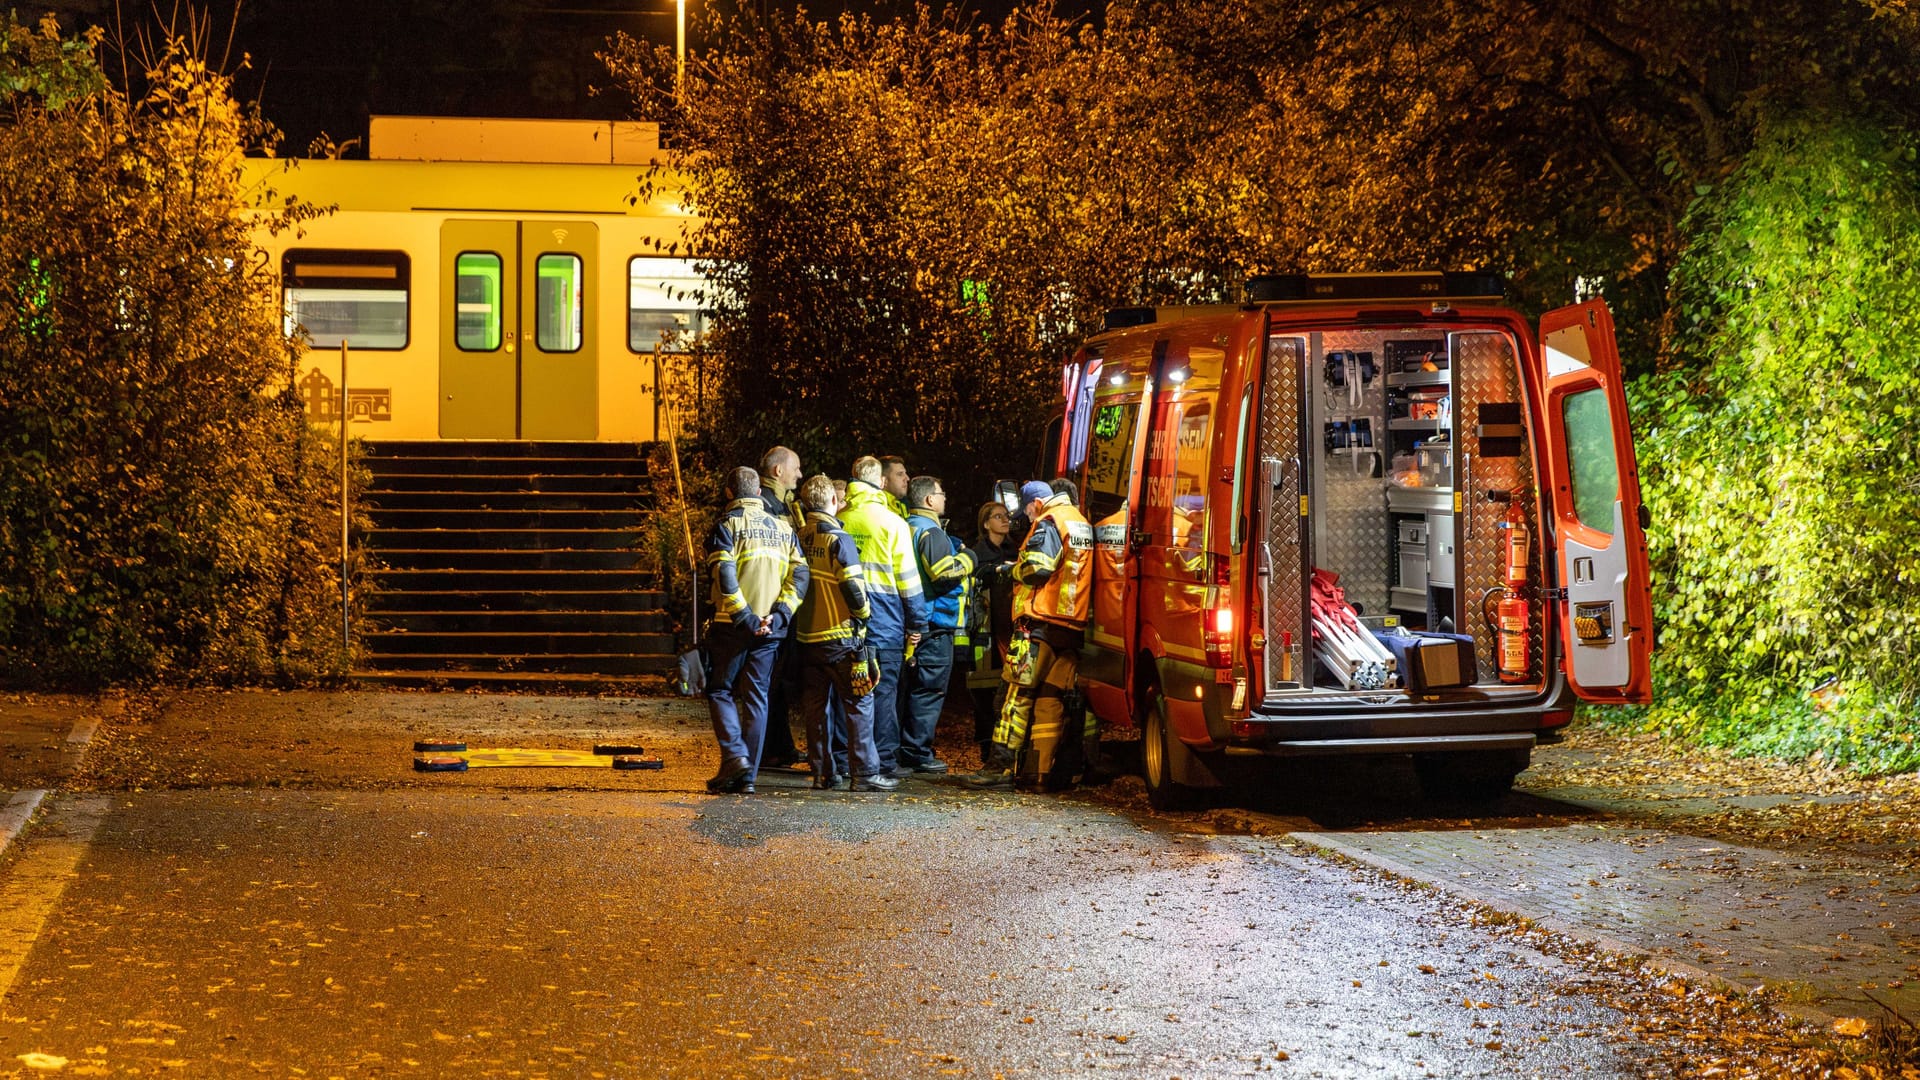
592	663
387	502
407	518
512	580
489	643
514	539
388	604
512	559
507	558
472	449
522	623
542	682
506	466
391	483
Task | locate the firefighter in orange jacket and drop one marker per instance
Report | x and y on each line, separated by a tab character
1053	592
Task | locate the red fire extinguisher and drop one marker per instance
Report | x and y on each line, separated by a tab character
1510	614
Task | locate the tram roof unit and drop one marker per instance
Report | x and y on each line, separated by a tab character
464	165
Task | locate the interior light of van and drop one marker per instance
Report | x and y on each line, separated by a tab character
1177	375
1117	378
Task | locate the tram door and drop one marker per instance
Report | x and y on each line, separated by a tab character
518	355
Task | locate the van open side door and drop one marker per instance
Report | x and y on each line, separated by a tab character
1598	523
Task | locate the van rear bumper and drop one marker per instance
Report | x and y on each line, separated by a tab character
1404	728
1406	744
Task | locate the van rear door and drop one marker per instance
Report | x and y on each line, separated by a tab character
1606	614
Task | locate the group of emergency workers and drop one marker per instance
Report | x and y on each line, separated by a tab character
860	589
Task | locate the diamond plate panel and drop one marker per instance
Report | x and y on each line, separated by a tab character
1486	370
1280	458
1352	535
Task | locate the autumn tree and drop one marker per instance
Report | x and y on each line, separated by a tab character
908	223
162	509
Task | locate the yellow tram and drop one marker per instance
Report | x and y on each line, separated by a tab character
491	279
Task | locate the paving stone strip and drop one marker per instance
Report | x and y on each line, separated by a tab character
1816	930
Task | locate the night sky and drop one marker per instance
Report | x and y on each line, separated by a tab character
321	67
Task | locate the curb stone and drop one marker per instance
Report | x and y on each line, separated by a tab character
20	806
1269	825
1561	926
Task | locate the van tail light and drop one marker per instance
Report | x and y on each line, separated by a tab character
1556	718
1219	636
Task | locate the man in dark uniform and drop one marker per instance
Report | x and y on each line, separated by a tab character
779	483
946	578
758	579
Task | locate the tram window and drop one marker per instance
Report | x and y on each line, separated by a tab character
477	309
558	305
663	303
356	297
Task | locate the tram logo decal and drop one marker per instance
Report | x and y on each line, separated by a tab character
364	404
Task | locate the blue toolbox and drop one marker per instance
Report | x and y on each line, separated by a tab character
1430	661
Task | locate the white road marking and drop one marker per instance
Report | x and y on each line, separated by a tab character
38	878
82	732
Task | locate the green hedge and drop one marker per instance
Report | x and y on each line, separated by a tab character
165	511
1782	455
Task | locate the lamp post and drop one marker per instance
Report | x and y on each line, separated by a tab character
679	51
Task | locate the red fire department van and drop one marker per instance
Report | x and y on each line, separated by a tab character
1404	442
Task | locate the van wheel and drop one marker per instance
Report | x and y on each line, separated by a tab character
1156	762
1469	777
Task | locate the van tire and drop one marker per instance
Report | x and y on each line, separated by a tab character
1477	778
1156	762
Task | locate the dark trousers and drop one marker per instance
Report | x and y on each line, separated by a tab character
925	686
986	688
832	710
737	693
886	708
777	747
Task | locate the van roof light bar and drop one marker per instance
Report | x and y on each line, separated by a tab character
1121	318
1414	285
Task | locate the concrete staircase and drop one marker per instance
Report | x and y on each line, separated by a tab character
510	563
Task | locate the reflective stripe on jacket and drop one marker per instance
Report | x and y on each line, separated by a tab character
836	587
1055	571
892	576
946	573
756	566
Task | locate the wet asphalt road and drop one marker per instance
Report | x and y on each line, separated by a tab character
365	921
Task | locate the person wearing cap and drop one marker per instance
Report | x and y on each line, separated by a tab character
1052	597
831	627
758	579
893	588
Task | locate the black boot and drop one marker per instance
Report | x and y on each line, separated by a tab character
732	778
997	770
1093	764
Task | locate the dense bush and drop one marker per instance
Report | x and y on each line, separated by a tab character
1782	454
165	511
